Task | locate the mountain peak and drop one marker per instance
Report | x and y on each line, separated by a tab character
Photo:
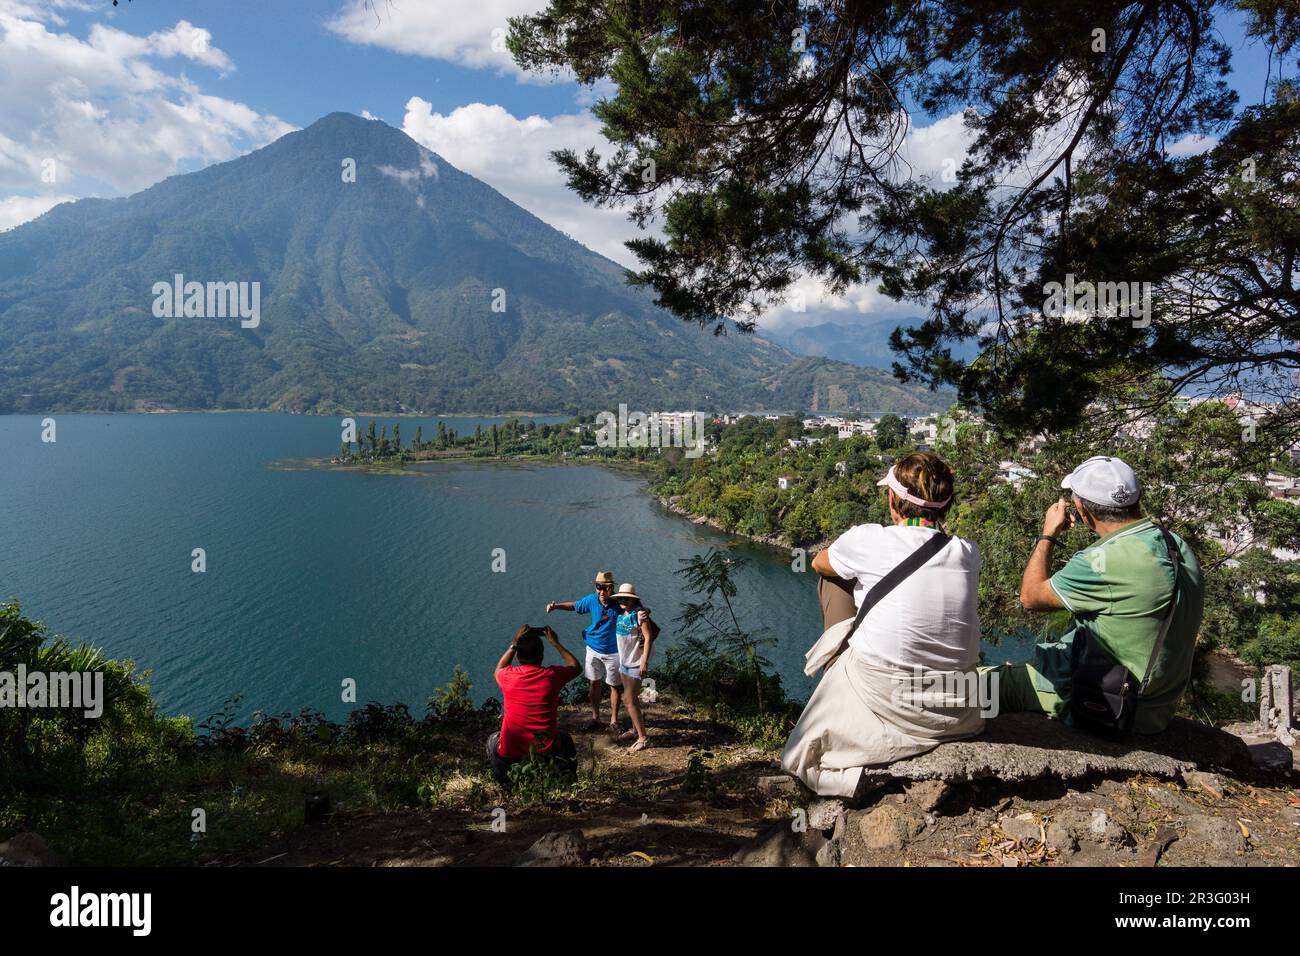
388	280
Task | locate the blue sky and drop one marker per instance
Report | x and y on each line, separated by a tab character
104	101
290	63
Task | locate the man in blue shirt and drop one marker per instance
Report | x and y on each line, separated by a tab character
602	645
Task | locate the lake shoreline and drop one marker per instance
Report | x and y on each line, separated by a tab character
282	411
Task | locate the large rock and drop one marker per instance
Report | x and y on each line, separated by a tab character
880	835
888	827
1020	747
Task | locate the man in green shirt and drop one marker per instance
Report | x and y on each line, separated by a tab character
1118	592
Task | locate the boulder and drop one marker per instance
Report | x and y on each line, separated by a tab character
885	829
1019	747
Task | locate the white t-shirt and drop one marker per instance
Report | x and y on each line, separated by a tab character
931	619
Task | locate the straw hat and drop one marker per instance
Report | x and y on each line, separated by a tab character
605	577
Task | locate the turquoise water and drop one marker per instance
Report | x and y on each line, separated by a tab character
316	575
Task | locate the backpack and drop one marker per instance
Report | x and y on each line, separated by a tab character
1104	694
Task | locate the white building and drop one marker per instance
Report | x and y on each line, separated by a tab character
1013	473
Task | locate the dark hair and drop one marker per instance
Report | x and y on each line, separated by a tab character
529	647
927	476
1112	513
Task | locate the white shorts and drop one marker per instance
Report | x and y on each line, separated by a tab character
603	667
634	673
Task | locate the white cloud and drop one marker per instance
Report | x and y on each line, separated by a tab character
513	156
187	40
1191	145
467	34
107	113
938	150
16	210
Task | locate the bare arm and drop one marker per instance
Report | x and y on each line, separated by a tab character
1036	592
648	635
559	606
508	657
821	563
569	659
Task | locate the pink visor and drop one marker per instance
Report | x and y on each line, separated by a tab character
891	482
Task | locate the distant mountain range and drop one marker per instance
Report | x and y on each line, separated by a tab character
385	280
863	343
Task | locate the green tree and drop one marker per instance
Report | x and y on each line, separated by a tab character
712	634
891	432
768	138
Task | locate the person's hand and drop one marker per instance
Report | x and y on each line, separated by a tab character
549	633
1058	518
550	606
523	629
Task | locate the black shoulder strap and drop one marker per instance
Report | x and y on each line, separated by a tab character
1176	556
938	541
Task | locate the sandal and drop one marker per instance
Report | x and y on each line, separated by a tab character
614	729
627	735
641	744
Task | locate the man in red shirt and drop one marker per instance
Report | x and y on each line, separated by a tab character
531	694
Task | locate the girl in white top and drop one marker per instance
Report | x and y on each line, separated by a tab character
903	685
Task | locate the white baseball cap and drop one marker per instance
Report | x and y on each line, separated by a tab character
1104	480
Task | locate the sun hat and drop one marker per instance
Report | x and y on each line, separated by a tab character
605	577
891	482
1104	480
626	590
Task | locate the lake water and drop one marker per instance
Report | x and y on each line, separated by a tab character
315	574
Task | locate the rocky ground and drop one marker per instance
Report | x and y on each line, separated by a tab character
700	796
1031	795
